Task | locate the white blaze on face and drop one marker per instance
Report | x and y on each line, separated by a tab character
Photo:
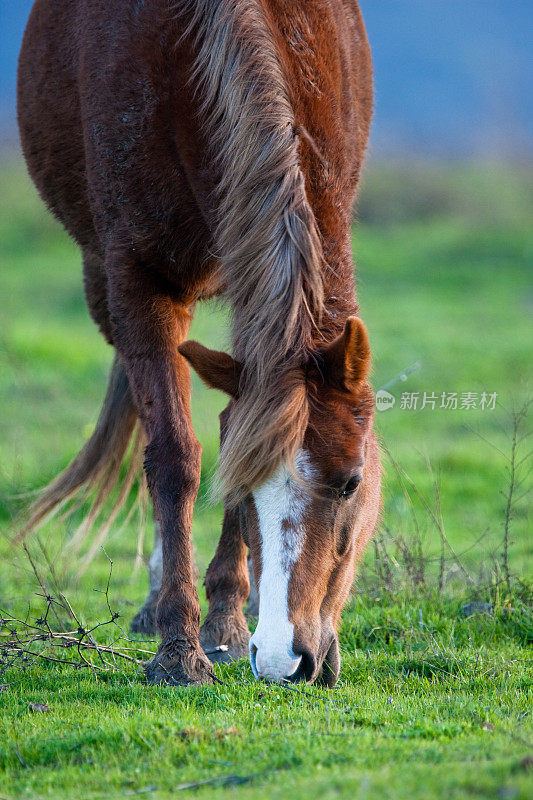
280	503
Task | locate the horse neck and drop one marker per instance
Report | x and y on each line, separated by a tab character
340	298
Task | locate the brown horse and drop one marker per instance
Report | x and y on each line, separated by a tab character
213	147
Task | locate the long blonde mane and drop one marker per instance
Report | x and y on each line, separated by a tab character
266	234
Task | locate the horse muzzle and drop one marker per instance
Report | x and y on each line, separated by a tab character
273	663
291	661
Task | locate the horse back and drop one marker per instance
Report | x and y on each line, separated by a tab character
107	127
112	130
326	58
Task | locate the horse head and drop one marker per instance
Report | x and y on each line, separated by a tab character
308	521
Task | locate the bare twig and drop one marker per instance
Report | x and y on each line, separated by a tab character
433	514
20	638
517	418
440	526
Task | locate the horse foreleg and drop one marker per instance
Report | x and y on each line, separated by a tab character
227	587
148	326
144	619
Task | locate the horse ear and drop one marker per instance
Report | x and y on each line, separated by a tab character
218	370
347	358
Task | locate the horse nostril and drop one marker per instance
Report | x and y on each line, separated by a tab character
253	659
306	667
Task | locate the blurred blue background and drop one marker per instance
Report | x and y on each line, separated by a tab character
454	78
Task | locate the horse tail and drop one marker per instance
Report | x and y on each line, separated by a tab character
96	469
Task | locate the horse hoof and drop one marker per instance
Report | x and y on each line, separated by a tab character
144	621
179	663
224	637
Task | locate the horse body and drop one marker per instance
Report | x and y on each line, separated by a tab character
214	147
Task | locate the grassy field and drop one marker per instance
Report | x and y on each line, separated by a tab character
431	703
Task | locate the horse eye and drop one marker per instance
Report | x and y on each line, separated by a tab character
351	486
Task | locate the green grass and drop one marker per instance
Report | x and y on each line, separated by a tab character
430	704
